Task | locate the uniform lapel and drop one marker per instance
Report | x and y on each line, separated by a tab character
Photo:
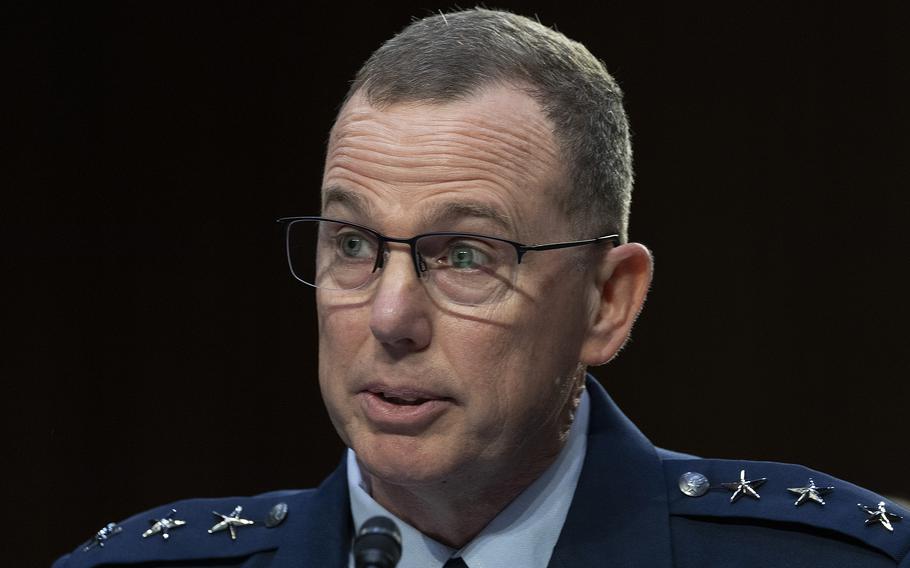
319	535
619	515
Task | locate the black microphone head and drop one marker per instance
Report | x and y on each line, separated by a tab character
377	544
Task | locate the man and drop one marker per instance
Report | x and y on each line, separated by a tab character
470	262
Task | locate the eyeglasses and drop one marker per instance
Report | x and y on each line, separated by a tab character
464	268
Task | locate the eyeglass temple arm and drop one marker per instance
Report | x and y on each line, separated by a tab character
612	238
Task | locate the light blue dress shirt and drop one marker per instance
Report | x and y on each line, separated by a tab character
523	534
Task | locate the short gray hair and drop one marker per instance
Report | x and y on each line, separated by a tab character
448	57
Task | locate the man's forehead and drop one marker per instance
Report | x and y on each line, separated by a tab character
495	106
491	156
434	215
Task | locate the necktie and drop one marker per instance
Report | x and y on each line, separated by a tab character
455	563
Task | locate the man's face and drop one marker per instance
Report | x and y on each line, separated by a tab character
428	392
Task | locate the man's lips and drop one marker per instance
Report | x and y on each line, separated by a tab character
406	392
402	410
405	396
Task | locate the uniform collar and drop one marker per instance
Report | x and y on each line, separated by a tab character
523	534
619	515
318	528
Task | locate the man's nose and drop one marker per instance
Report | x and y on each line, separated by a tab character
399	316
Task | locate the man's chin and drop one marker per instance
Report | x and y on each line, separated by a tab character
405	469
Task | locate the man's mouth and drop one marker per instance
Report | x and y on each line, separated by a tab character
405	401
402	410
403	397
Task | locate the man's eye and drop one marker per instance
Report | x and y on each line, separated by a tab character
354	245
466	257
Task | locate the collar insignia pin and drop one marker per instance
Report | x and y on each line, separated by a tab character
163	525
744	487
102	536
276	515
230	522
810	492
880	515
693	484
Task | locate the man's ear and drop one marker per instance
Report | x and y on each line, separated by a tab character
622	281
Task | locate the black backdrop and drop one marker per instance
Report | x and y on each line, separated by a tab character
157	348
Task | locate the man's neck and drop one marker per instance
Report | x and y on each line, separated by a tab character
454	513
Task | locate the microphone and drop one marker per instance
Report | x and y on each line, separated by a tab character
377	544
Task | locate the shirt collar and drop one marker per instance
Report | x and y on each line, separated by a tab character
522	534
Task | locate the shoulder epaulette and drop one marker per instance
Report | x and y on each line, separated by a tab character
193	529
786	493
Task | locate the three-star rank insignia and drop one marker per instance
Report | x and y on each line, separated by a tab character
880	515
744	487
163	525
230	522
810	492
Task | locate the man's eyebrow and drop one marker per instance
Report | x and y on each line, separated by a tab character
440	217
353	201
448	213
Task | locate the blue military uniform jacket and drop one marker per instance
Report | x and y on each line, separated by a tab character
628	511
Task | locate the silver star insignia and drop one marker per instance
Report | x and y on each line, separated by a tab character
163	525
102	536
230	522
880	515
744	487
810	492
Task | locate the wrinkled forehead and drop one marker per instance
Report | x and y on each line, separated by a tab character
496	143
495	106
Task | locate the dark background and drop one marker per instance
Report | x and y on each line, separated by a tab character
158	349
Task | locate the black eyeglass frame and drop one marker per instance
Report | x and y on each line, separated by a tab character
419	265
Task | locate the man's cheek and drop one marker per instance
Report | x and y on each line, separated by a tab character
475	344
341	330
